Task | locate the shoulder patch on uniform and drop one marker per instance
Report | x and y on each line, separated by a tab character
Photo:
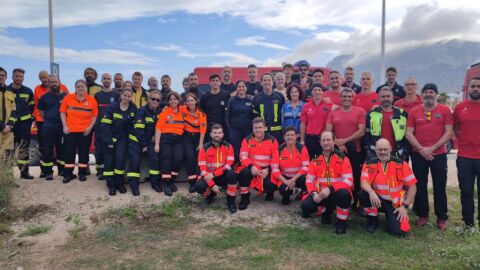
372	161
396	160
207	145
340	154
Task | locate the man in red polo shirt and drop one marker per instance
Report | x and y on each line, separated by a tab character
411	99
333	95
367	98
313	120
429	127
467	122
348	123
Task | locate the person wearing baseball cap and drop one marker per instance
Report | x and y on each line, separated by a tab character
429	127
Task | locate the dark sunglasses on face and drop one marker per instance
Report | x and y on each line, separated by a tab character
155	99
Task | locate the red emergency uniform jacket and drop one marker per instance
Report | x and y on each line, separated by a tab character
334	173
293	163
261	155
215	159
389	183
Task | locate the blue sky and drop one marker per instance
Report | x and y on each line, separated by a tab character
174	37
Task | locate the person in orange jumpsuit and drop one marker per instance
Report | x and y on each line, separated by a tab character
388	184
293	166
259	161
329	184
215	160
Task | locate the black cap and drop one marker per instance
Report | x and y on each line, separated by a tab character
430	86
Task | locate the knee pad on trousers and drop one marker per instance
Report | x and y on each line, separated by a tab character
201	186
268	186
231	177
284	191
364	199
343	198
245	177
308	206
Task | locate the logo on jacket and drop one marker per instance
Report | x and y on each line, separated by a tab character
222	103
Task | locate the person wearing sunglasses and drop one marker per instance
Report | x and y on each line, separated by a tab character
429	127
104	99
142	142
411	99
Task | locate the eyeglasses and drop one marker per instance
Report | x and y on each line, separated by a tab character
475	86
155	99
428	116
303	69
410	84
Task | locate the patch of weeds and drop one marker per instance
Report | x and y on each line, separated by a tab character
32	211
464	254
230	237
75	224
36	230
110	233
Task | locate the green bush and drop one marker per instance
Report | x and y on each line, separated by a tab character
7	183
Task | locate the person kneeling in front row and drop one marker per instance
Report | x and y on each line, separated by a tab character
329	184
389	185
215	160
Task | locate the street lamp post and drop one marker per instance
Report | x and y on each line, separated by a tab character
382	56
50	30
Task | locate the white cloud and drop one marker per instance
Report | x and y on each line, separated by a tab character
258	41
233	59
17	47
268	14
180	51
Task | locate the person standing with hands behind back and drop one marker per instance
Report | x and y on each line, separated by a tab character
78	113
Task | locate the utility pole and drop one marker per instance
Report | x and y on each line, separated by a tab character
382	56
54	67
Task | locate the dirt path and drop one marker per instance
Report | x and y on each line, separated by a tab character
43	202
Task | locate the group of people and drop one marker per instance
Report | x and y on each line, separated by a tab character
336	146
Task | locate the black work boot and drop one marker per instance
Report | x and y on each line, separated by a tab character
191	189
134	187
43	173
172	184
286	200
100	174
372	224
25	174
244	202
341	227
231	204
326	218
210	197
60	169
67	176
157	186
48	176
269	197
112	191
167	188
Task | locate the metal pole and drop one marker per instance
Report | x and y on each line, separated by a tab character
50	30
382	56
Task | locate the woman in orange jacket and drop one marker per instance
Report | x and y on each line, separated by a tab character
195	126
168	142
78	113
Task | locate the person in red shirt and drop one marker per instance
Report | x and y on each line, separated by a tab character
467	121
429	127
293	165
259	162
313	121
411	98
389	185
366	99
215	160
78	113
333	95
348	123
329	185
168	138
